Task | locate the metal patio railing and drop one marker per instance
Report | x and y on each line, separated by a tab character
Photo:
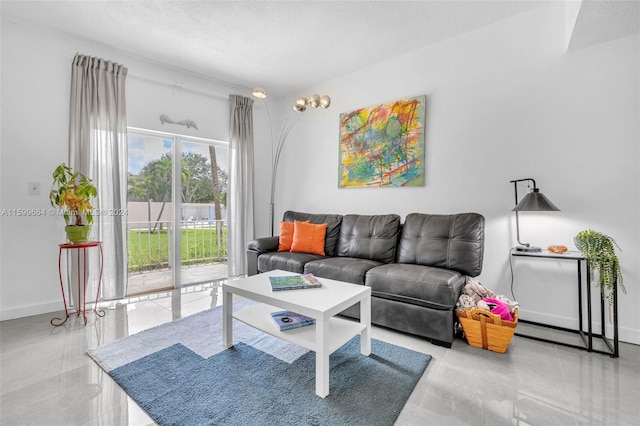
149	248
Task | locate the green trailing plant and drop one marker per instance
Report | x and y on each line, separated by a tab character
599	250
72	192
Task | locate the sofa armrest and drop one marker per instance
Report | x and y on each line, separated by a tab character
252	262
255	248
264	245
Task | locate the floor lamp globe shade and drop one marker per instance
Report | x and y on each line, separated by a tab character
325	101
300	105
535	201
314	101
260	92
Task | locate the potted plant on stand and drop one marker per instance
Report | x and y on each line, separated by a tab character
599	250
72	192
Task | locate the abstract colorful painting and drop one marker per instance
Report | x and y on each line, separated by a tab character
383	145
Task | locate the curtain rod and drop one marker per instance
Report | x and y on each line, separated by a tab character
177	87
175	135
245	91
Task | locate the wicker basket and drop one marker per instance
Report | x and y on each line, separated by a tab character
486	330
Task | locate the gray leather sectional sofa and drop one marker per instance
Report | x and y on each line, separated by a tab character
416	269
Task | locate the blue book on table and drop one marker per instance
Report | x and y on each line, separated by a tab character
294	282
286	320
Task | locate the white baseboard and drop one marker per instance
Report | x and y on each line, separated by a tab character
30	310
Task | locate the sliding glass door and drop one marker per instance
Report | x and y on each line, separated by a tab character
203	211
175	240
150	213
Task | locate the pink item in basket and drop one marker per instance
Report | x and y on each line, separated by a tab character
499	308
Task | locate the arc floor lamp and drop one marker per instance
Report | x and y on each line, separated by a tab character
534	201
299	106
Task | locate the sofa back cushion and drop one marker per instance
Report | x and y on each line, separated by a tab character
369	237
333	222
445	241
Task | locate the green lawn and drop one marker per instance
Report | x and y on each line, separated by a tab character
149	250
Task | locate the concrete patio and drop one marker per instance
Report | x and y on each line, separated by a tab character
149	281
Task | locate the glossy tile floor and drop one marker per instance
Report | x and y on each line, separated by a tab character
47	378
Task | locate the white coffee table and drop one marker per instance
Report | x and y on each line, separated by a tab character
324	337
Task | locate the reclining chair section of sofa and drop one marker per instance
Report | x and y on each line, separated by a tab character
419	292
416	271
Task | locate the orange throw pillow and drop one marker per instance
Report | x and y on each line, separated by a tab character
308	237
286	236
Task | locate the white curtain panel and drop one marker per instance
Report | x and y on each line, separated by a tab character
98	148
240	216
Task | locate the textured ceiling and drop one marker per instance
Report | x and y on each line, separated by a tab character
281	45
600	21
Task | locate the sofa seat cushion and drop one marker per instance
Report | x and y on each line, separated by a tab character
426	286
285	260
348	269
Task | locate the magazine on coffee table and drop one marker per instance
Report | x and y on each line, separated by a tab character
294	282
286	320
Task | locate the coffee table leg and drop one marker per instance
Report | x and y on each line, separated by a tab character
365	319
227	318
322	357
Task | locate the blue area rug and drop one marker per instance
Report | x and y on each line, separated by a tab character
245	385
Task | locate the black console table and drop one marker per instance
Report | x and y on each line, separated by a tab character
587	335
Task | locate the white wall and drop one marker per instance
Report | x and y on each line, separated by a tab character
36	73
504	102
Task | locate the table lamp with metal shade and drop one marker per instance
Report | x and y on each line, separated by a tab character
534	201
